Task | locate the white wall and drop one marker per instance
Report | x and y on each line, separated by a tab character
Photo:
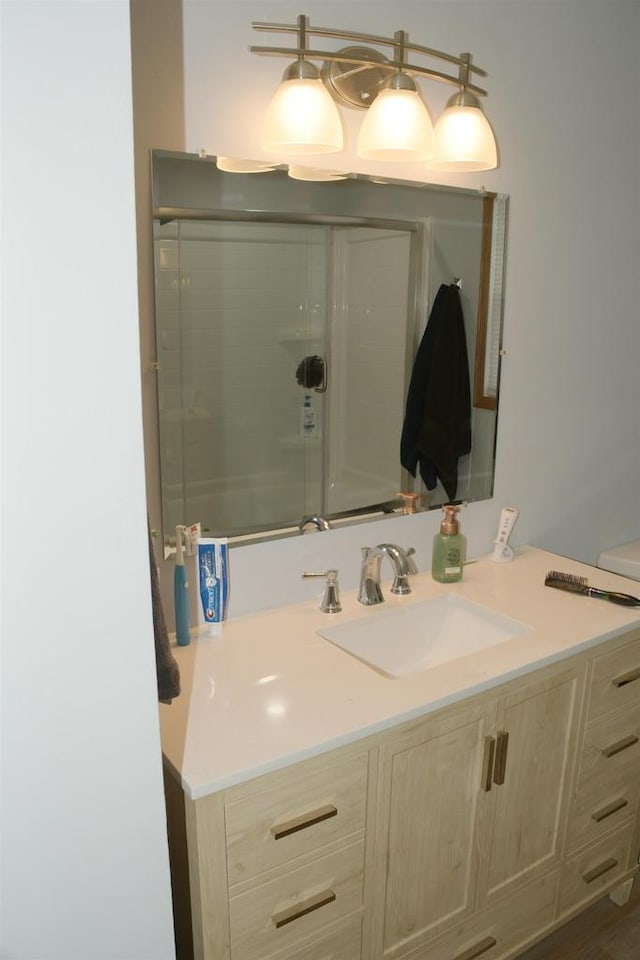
84	858
563	94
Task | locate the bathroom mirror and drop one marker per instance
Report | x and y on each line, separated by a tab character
288	315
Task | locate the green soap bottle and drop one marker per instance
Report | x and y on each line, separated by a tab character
449	548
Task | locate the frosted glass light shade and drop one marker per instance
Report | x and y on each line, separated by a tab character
464	141
397	127
240	165
302	118
314	174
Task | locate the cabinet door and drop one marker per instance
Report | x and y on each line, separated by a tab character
431	803
535	748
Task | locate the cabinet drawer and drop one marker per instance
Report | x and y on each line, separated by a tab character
616	679
596	869
344	942
601	807
611	745
296	907
490	934
293	815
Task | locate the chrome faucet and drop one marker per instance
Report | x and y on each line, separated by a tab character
370	591
403	566
320	523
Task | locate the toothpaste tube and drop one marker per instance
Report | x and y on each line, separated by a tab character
213	574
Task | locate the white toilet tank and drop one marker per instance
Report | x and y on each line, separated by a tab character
624	559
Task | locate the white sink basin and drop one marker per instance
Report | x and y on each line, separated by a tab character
424	634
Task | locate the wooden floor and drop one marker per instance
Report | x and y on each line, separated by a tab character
603	932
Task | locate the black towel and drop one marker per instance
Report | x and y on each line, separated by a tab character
437	424
167	670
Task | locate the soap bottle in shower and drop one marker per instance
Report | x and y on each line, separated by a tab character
308	422
449	548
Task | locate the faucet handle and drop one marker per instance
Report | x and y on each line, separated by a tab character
411	564
331	600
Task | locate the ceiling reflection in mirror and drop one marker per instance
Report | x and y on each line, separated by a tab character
288	317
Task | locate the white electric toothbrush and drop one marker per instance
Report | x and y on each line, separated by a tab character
502	552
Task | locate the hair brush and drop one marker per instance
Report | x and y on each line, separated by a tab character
575	584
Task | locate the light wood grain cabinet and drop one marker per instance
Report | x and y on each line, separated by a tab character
603	842
275	866
472	808
538	721
463	834
429	818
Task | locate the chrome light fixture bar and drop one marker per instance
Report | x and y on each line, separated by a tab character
302	117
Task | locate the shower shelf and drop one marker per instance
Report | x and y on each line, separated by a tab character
299	335
293	442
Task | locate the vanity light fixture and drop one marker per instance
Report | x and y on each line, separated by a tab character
463	136
397	125
302	117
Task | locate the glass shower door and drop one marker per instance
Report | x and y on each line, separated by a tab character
239	306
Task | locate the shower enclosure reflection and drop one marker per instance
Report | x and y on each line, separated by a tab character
285	340
245	445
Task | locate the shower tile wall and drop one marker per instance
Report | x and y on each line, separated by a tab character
369	336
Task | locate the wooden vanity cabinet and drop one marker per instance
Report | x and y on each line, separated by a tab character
468	833
603	842
430	815
537	725
275	866
472	808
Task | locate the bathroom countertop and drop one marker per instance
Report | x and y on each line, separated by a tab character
270	691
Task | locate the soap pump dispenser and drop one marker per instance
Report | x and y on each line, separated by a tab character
449	548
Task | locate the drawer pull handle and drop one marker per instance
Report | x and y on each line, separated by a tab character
487	762
502	745
600	870
620	746
294	913
626	678
478	950
306	820
609	810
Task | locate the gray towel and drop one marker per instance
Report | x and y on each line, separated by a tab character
167	669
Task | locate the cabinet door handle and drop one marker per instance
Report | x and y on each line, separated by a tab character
502	745
487	763
621	745
302	909
626	678
478	950
609	810
598	871
304	821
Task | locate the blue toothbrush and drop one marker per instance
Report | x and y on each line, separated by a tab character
181	593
